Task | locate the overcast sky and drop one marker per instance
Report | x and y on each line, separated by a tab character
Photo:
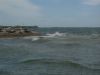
56	13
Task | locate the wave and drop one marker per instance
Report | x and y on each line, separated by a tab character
48	35
56	34
53	62
65	62
59	36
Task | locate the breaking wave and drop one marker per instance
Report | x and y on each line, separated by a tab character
56	34
63	36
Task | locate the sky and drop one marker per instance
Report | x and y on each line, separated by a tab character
50	13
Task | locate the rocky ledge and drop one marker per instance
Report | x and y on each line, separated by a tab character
10	32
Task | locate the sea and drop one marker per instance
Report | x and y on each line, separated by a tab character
58	51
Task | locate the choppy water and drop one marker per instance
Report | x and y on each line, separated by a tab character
72	52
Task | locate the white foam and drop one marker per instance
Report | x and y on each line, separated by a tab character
35	38
56	34
47	36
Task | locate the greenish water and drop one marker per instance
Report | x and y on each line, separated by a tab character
69	51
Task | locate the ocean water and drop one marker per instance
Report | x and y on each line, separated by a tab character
60	51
